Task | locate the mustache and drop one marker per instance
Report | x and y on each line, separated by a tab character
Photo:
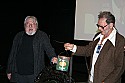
30	29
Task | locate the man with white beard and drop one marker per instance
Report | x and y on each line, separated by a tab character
26	58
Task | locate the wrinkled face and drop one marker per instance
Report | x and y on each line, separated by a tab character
30	26
105	28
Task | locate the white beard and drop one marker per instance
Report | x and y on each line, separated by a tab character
31	32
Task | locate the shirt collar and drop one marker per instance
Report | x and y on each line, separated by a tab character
111	37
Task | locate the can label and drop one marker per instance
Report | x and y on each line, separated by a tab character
62	64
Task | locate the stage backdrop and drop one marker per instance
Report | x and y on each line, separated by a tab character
86	16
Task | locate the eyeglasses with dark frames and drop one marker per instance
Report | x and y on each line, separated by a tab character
101	26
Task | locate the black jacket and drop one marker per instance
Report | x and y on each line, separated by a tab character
41	44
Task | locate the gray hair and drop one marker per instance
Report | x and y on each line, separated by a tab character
108	15
33	17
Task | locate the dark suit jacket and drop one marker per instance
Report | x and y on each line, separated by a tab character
41	44
110	63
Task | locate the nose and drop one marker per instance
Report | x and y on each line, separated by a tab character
30	25
99	28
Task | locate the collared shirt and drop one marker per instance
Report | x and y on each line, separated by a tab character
97	50
111	37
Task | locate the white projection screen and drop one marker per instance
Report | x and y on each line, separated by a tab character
86	16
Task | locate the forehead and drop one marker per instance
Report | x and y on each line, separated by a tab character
30	20
102	21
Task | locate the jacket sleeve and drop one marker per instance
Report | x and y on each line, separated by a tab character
13	51
50	51
84	50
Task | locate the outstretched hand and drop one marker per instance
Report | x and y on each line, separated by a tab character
68	46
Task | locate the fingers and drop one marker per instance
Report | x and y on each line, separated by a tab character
54	60
68	46
9	76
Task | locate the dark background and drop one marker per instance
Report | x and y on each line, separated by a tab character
55	17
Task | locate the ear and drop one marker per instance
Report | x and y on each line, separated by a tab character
111	25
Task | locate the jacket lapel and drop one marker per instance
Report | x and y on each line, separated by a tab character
105	48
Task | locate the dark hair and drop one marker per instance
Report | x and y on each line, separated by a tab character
108	15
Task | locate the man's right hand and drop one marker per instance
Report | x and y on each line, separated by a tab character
68	46
9	76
